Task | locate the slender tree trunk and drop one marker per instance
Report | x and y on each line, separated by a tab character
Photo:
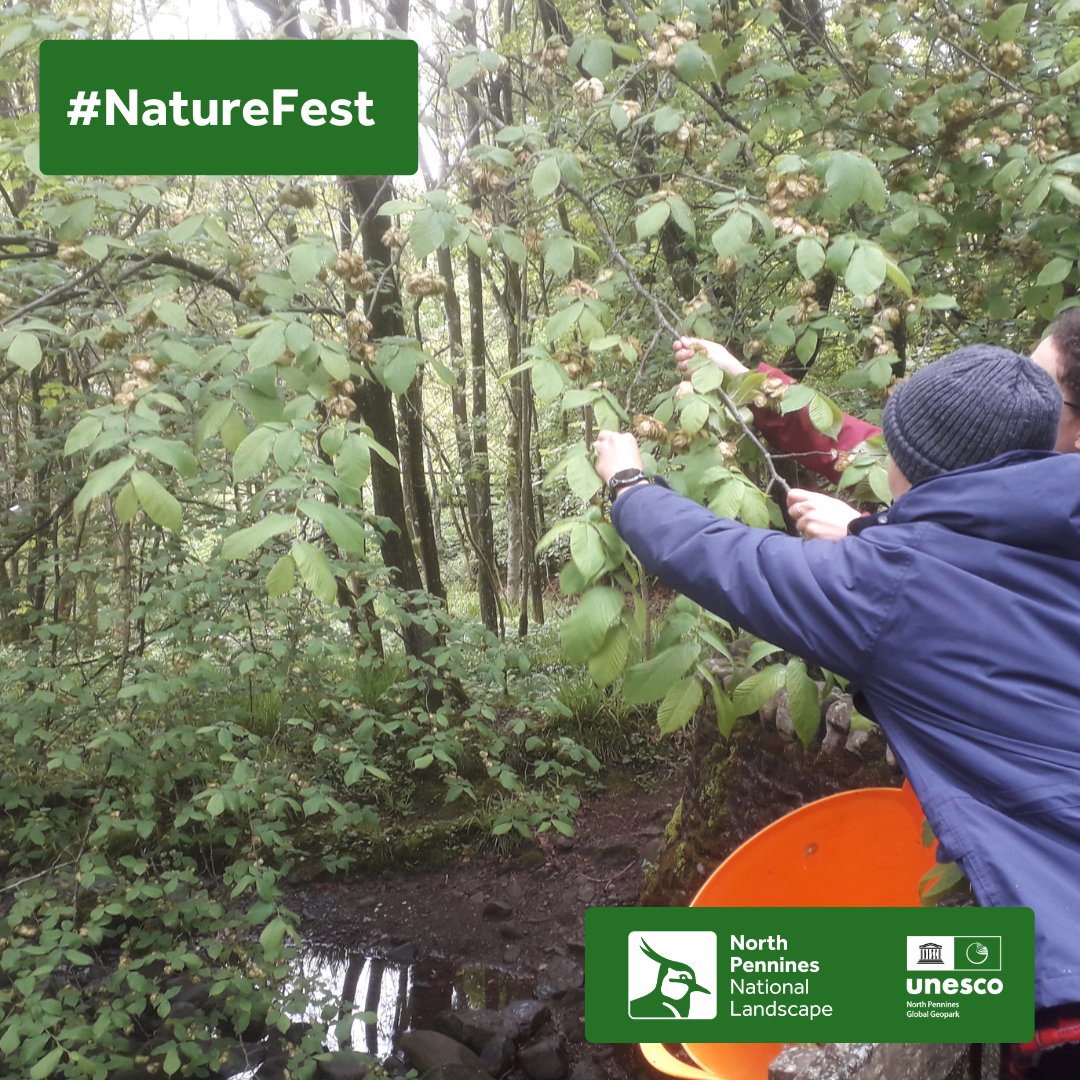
412	407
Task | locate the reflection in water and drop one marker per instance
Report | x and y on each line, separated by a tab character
385	998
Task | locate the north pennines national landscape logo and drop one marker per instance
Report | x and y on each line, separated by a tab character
672	975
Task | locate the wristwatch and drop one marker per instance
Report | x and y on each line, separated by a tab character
624	478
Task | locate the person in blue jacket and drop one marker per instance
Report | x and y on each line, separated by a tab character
956	615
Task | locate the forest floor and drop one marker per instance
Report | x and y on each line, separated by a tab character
518	918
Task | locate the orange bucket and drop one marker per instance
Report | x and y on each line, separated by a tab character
856	849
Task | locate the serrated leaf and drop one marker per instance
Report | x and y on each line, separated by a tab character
426	234
825	415
694	414
340	526
597	58
160	505
288	447
239	545
253	453
584	631
582	478
180	234
25	351
215	805
558	253
305	262
97	247
546	177
282	577
587	550
353	461
82	435
607	664
169	452
803	704
102	480
171	314
271	938
866	270
753	692
693	64
652	220
651	680
810	256
733	235
679	705
267	346
395	366
315	571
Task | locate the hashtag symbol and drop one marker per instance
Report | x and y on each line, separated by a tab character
84	108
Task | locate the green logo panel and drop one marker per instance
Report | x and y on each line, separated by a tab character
809	974
229	107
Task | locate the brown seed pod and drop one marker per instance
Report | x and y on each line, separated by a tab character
680	442
425	284
648	427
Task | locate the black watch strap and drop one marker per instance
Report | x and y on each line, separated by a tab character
624	478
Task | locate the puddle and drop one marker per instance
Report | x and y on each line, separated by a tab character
400	997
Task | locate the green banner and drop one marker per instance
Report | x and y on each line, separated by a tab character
809	974
229	107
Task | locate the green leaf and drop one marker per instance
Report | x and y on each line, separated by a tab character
693	64
174	454
546	177
558	253
679	705
582	478
126	504
597	58
584	631
315	571
462	71
1055	271
753	692
182	233
282	577
25	351
353	461
652	220
607	663
239	545
171	314
587	550
651	680
395	366
340	526
102	480
82	435
272	937
810	256
252	454
45	1066
288	447
866	270
803	704
733	235
725	711
212	420
1069	77
426	234
267	346
305	262
826	415
97	247
159	504
694	414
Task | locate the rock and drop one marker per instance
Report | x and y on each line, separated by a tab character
562	974
587	1070
365	902
785	726
618	854
564	843
493	909
928	1061
427	1050
498	1054
343	1065
586	892
402	954
528	1016
456	1072
544	1059
574	996
474	1028
791	1063
511	954
511	931
865	743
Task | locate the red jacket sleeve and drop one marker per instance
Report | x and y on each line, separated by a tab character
795	434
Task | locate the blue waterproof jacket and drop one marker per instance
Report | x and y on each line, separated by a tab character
957	616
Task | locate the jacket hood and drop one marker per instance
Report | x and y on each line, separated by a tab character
1022	499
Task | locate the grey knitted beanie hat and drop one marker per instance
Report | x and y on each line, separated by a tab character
968	407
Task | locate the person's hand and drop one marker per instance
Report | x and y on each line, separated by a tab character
818	516
616	451
686	348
